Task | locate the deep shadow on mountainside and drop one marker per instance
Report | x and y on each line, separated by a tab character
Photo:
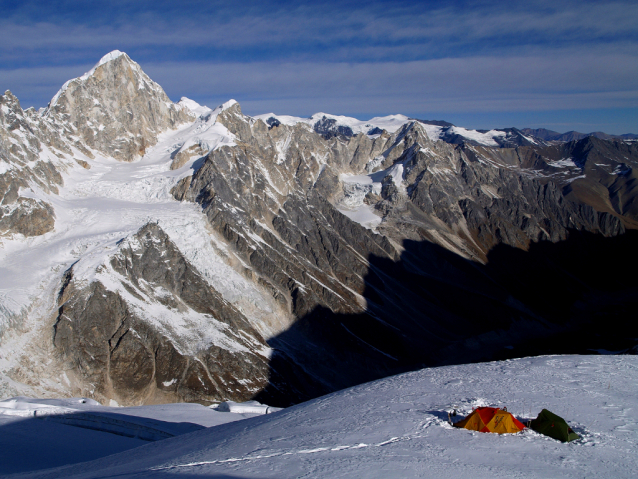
434	308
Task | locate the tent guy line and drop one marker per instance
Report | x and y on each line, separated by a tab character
288	453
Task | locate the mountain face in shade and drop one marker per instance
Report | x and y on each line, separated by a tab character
550	135
157	251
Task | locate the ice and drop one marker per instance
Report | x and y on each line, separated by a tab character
564	163
391	124
193	106
486	139
362	214
434	132
355	189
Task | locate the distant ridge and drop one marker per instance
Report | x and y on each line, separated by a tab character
434	122
550	135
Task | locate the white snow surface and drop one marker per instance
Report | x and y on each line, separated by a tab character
436	133
44	433
193	106
251	407
564	163
362	214
486	139
390	123
397	428
355	189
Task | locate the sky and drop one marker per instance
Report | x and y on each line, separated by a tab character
568	65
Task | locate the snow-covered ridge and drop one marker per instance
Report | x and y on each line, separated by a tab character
486	139
102	202
105	59
99	206
390	123
193	106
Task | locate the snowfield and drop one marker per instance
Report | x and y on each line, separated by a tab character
392	428
95	209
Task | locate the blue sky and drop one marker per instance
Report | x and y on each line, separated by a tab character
557	65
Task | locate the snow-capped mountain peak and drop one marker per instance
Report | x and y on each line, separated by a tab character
193	106
105	59
115	108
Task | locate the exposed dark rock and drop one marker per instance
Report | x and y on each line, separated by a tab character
550	135
272	122
288	230
328	128
27	216
133	357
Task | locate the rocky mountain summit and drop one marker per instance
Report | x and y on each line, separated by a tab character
157	251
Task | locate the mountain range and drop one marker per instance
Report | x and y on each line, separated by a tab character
160	252
550	135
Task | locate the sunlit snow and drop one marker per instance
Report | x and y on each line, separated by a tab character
392	428
390	123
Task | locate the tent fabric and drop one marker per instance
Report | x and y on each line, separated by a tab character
554	426
490	419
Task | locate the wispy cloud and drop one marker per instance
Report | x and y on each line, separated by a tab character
469	84
319	32
417	58
569	80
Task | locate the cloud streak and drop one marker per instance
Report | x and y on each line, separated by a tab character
418	58
528	83
314	32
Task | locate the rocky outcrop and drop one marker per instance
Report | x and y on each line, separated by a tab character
115	108
328	128
21	167
27	217
136	333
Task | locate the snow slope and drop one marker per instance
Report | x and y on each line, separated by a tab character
397	427
356	187
44	433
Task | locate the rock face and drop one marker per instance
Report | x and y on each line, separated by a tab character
115	108
141	339
380	246
21	167
363	302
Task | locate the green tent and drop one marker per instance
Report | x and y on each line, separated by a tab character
553	426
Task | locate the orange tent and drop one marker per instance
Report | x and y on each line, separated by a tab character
490	419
